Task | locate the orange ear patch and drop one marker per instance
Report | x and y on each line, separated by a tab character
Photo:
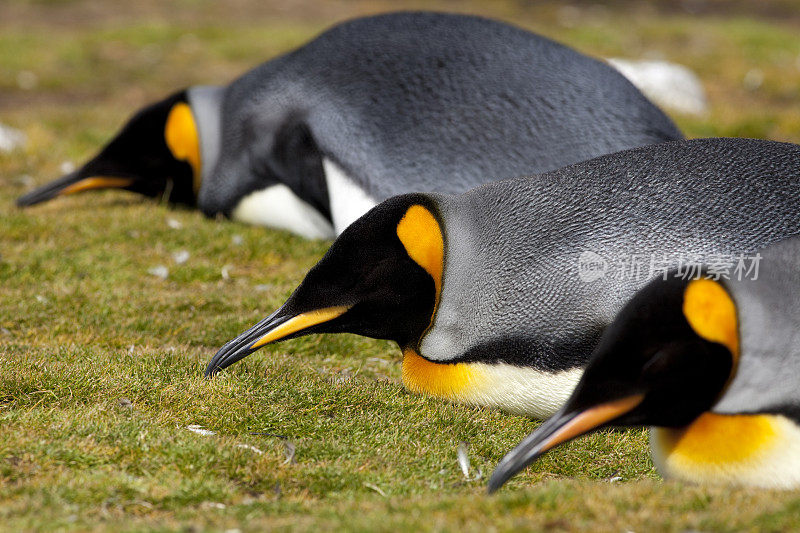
421	235
180	133
711	313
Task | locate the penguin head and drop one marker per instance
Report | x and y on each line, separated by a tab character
157	153
663	361
381	278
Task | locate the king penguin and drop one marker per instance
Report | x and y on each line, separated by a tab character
372	108
483	291
712	363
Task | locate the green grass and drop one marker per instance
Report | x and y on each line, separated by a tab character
101	363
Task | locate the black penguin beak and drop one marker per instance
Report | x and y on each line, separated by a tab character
277	326
563	426
77	181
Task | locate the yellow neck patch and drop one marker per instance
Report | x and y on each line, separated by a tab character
450	381
180	133
421	235
714	439
711	313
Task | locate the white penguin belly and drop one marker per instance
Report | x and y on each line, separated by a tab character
519	390
348	201
748	450
278	207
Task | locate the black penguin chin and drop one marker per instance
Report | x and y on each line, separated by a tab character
400	311
680	378
175	188
688	390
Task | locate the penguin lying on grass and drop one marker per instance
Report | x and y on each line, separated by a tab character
711	363
484	292
374	107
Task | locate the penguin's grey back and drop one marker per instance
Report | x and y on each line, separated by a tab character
767	301
512	287
434	102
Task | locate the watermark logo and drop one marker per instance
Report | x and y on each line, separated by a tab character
591	266
642	267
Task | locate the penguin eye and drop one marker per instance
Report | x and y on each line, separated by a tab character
658	362
677	363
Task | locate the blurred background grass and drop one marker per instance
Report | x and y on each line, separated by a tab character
100	361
